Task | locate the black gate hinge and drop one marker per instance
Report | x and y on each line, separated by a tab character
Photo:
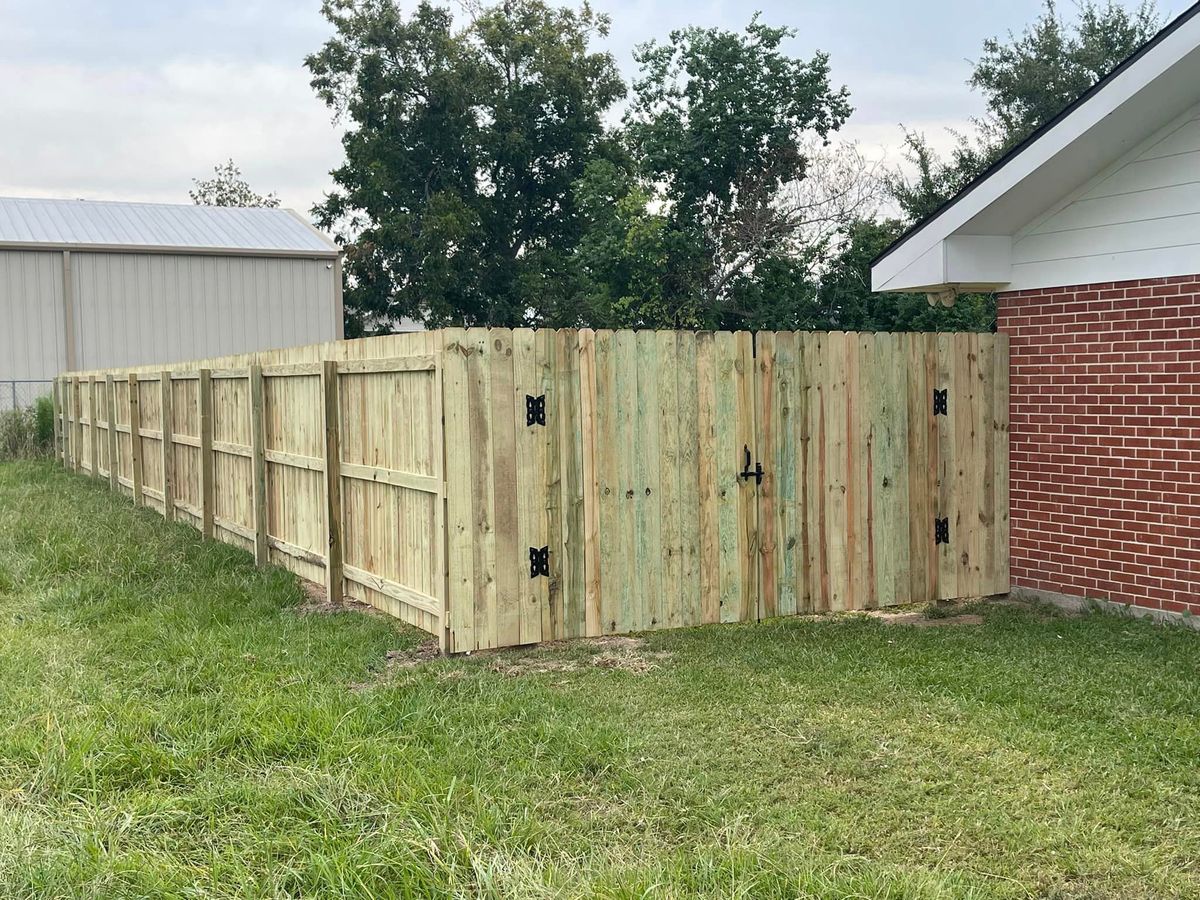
539	561
535	410
941	401
941	531
747	473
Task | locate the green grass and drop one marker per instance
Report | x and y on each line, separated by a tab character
170	727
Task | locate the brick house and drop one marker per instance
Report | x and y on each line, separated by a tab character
1089	233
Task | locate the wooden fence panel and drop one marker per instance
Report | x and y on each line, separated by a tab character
294	436
185	431
391	471
120	399
149	393
675	479
232	469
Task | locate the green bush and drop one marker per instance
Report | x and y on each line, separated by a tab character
43	412
26	433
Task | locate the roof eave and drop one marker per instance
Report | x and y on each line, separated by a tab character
1003	169
290	253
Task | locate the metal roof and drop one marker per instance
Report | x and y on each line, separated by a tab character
157	227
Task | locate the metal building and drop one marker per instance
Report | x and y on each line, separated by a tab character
89	284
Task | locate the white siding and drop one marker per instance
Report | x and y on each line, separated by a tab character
1140	219
31	316
135	309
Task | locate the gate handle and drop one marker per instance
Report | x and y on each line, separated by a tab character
757	473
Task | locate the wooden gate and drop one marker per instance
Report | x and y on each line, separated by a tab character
867	443
667	479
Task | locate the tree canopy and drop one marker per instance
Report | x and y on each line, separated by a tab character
227	187
463	148
490	177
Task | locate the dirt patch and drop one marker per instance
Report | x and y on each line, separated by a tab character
942	614
921	620
1042	609
619	652
414	656
398	660
316	603
624	655
531	665
616	653
637	663
613	642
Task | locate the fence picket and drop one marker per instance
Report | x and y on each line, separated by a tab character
412	481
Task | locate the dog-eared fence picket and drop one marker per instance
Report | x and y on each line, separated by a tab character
499	487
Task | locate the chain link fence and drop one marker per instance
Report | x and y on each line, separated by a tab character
17	394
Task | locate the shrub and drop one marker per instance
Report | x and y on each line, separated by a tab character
43	411
28	432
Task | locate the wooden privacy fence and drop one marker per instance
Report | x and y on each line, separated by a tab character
500	487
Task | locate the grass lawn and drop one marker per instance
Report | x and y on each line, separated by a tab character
171	727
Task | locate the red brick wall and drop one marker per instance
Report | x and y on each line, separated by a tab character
1105	428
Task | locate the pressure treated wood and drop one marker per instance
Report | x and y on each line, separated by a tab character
206	454
678	479
135	443
333	483
258	465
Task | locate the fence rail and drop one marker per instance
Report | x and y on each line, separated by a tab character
500	487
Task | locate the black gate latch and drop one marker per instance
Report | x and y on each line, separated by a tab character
757	473
941	531
941	401
535	410
539	561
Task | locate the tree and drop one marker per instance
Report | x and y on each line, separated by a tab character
457	196
228	188
845	302
1026	80
638	269
723	122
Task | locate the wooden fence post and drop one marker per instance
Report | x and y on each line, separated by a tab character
135	439
206	454
76	426
68	426
258	464
114	454
93	427
333	484
54	398
168	445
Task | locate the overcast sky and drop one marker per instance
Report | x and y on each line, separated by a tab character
131	99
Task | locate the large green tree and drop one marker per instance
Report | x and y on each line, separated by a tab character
637	268
720	122
463	147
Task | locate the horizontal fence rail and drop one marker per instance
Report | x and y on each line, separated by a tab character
329	467
501	487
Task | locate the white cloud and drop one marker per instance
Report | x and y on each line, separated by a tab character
131	99
136	133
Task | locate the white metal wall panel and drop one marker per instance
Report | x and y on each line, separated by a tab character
1138	220
31	315
136	309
